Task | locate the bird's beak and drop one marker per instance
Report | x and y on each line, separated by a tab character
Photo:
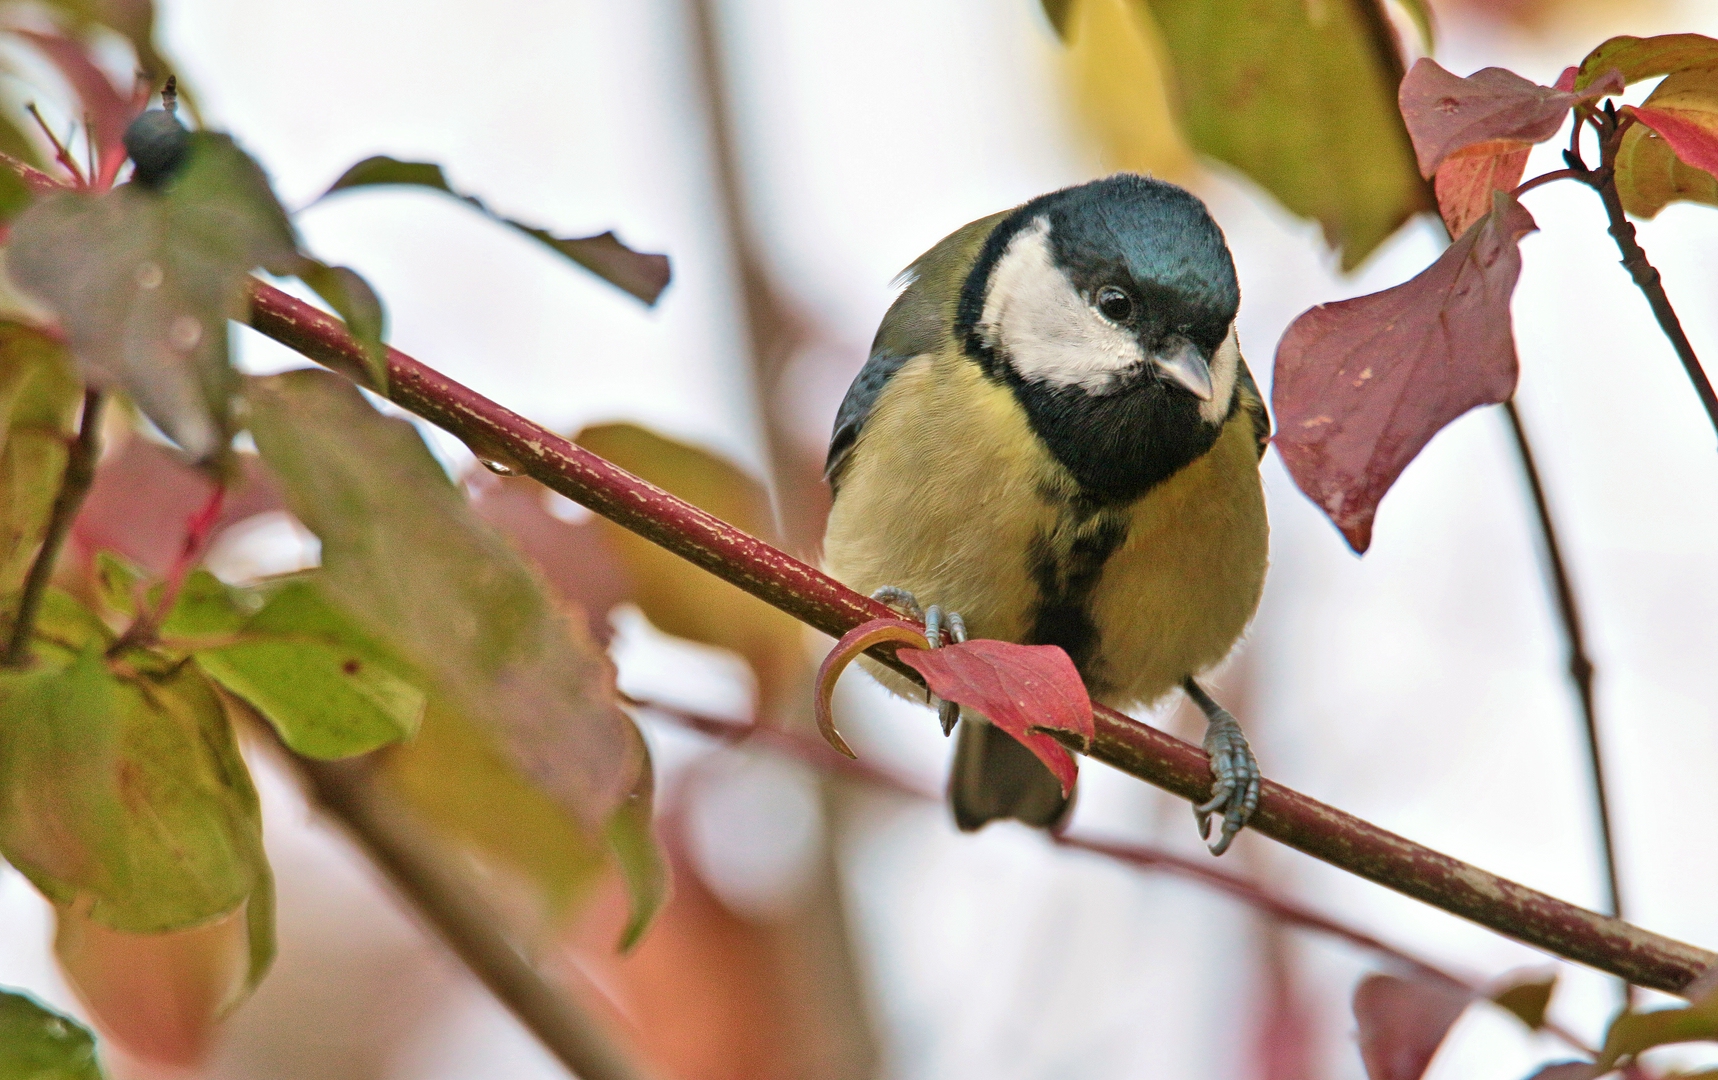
1181	361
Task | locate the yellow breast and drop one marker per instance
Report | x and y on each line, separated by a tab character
949	494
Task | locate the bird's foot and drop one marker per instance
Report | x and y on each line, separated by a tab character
1234	772
936	621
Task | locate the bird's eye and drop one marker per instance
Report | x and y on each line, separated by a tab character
1115	304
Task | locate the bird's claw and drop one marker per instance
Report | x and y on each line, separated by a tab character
937	622
1235	778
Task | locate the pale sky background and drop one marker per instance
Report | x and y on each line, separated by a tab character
1420	687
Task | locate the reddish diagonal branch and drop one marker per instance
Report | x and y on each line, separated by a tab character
498	434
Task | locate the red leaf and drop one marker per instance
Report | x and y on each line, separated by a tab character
1467	178
1362	385
1694	142
109	112
1445	112
1023	689
1402	1023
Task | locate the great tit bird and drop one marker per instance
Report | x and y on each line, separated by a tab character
1055	441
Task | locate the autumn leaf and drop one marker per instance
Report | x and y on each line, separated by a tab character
1635	1032
687	601
1683	110
37	1043
1650	176
39	395
1646	58
1362	385
642	275
1301	98
1466	179
161	996
1445	112
144	283
1528	999
1025	690
1402	1023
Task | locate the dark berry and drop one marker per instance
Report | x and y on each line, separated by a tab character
158	144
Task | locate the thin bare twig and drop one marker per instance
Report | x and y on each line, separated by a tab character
1580	666
81	455
498	434
1646	277
1143	856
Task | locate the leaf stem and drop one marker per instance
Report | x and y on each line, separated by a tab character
1361	848
1545	178
1580	665
61	154
147	626
81	455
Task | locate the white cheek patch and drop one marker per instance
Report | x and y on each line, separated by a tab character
1044	329
1225	369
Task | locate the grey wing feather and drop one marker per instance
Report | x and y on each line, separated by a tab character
918	322
1256	407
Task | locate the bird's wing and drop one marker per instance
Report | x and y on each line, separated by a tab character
919	321
1254	403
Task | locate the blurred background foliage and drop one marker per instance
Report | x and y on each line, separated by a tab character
815	929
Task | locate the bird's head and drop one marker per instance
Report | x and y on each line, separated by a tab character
1110	309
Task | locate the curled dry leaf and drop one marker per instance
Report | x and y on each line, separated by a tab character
1466	179
1403	1022
642	275
1362	385
1025	690
1446	112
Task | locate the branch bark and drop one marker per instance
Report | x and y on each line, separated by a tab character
498	434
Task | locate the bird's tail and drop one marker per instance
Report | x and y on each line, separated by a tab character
995	777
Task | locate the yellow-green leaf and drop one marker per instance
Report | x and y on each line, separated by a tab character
1632	1032
37	1043
328	688
1528	1000
39	397
684	600
1302	98
1649	174
1647	58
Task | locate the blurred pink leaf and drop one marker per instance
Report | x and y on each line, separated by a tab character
1402	1023
109	110
1362	385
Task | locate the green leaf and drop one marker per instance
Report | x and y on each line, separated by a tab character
404	556
642	275
144	283
127	795
326	686
354	301
206	607
1421	13
1302	98
631	836
1528	1000
37	1043
1632	1032
39	398
15	195
1058	12
1647	58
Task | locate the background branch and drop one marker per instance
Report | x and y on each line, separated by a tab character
418	867
75	483
496	433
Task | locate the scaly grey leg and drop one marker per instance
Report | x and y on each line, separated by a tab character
1234	771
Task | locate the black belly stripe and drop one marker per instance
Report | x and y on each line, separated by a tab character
1065	575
